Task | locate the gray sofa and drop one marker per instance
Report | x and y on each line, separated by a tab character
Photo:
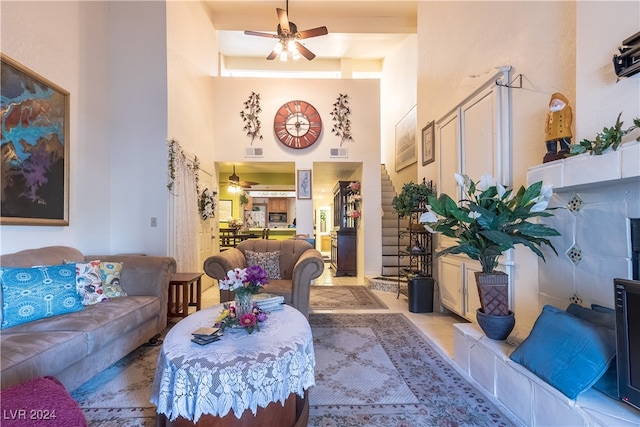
299	263
76	346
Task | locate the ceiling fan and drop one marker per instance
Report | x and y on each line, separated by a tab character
288	33
234	181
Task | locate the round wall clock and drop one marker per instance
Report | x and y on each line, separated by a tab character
297	124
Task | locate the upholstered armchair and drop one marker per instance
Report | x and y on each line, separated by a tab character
298	261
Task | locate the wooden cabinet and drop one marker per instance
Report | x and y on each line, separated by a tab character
344	234
343	252
278	204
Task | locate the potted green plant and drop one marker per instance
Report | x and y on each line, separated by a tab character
488	221
411	197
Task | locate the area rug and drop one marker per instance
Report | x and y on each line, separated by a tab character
371	370
343	297
379	370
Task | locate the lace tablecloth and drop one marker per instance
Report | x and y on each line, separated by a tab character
241	371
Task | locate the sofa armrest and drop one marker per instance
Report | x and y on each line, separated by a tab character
145	275
217	266
309	266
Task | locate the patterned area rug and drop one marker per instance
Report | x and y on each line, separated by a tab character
378	370
372	370
343	297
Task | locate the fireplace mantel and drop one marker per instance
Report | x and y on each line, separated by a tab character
585	170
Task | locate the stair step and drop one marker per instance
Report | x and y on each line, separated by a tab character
392	240
392	260
390	271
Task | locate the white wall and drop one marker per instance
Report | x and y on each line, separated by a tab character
230	141
111	57
557	47
66	42
192	60
398	92
138	126
537	40
599	98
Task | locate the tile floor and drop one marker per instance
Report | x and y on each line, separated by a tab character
437	326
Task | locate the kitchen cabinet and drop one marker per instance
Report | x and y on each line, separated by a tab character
278	204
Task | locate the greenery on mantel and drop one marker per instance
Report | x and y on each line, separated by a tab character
340	117
608	138
251	117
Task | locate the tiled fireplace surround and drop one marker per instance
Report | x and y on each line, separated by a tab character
595	197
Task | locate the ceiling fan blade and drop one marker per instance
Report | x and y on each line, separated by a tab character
305	52
315	32
272	55
284	20
259	34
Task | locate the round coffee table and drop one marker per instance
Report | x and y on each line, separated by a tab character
243	379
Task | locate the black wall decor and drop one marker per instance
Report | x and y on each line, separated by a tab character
627	63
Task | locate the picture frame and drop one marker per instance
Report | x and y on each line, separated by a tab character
225	210
35	171
428	143
406	152
303	184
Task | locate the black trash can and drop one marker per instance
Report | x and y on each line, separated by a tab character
420	294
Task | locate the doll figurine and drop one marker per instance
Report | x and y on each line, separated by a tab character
558	128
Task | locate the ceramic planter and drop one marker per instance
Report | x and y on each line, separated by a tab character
496	327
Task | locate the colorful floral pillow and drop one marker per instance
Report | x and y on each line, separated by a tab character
110	274
89	283
34	293
269	261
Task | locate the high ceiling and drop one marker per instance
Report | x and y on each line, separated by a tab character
358	30
361	29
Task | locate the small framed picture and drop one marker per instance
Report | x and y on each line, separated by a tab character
304	184
428	144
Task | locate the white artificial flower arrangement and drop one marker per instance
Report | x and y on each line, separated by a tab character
491	219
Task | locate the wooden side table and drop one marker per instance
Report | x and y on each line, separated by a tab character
182	294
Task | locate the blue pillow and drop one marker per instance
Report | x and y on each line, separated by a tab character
567	352
34	293
603	318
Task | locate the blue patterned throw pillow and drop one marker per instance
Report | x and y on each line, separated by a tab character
34	293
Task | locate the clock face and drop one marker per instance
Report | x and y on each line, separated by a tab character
297	124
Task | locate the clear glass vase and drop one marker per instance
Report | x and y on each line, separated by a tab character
244	303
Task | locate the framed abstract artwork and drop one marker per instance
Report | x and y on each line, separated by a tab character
35	148
406	153
428	143
304	184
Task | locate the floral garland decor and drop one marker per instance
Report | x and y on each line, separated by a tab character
354	198
207	204
175	155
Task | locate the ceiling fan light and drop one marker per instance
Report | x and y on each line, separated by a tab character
278	48
283	55
291	46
